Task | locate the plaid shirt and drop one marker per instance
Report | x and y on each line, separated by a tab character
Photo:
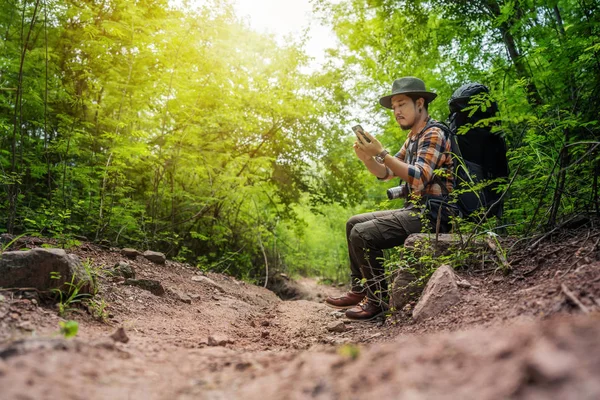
425	153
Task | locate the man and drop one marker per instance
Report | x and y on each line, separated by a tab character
426	149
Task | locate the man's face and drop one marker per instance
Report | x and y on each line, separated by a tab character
405	111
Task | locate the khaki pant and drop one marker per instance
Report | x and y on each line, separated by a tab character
368	235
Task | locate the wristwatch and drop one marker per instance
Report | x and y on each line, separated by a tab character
381	156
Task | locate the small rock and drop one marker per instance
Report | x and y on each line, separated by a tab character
181	296
464	284
130	253
440	293
498	279
242	366
123	269
36	241
120	336
265	323
337	314
26	326
337	326
219	340
150	285
208	281
155	257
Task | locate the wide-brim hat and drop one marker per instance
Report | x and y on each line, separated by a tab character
407	85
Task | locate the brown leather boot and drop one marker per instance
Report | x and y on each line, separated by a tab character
365	311
348	300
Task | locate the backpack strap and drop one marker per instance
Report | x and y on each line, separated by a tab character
449	135
453	147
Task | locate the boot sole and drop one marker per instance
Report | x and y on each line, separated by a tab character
382	313
340	307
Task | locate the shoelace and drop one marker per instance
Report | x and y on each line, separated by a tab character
363	303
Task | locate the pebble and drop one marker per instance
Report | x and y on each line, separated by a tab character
464	284
337	326
181	296
120	336
219	340
130	253
208	281
26	326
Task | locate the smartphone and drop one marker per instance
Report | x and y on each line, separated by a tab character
359	130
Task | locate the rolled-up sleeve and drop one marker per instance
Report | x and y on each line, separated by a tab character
431	147
401	155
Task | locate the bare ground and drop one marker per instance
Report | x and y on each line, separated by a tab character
530	334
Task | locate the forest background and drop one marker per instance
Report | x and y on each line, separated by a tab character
176	127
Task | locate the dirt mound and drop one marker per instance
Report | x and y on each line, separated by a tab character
536	360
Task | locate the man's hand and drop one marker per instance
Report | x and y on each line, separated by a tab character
370	149
364	157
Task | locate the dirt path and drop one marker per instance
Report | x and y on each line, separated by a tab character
511	337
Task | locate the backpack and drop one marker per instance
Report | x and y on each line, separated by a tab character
479	155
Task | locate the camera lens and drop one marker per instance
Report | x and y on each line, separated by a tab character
396	192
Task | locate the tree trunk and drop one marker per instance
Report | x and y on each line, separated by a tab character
561	179
14	185
511	46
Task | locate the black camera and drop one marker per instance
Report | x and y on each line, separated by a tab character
397	192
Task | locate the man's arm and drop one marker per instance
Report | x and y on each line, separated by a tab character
429	151
379	170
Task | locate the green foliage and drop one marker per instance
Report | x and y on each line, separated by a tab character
156	125
70	297
350	351
178	128
540	61
68	329
9	244
98	307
